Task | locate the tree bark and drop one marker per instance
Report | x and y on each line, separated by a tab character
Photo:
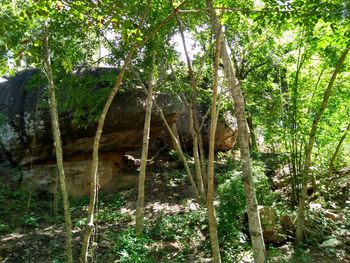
94	166
335	154
243	138
308	152
175	138
193	120
58	145
140	210
214	241
254	145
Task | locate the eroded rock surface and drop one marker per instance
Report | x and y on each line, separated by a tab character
26	137
26	129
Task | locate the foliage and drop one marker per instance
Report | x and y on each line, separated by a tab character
318	227
85	103
232	218
179	227
131	248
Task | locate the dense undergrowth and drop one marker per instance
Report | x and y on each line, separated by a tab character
176	228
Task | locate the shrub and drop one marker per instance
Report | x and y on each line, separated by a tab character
232	205
131	248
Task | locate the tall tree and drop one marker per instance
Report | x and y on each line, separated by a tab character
58	143
336	151
213	123
308	152
140	209
243	138
94	166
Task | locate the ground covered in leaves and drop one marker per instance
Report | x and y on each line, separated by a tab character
176	229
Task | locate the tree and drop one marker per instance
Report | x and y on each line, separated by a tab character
213	122
243	138
309	147
145	142
94	165
58	143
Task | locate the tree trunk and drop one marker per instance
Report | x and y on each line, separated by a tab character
193	120
94	166
197	162
308	152
335	154
254	145
58	145
146	131
243	138
175	138
210	187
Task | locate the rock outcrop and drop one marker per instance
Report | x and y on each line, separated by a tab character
25	128
26	138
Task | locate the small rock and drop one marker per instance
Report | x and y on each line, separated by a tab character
272	229
333	242
332	216
344	233
268	216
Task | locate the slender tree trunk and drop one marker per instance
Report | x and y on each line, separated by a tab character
309	147
210	188
197	163
58	145
335	154
56	194
243	138
94	166
202	158
192	114
254	145
140	209
248	182
175	138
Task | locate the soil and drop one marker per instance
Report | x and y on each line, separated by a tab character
167	194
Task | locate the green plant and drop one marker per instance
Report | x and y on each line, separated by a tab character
231	214
179	226
4	228
232	205
30	221
130	248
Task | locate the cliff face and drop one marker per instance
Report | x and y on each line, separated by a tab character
26	139
26	129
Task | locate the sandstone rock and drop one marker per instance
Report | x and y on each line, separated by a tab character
26	139
315	207
272	229
42	178
328	214
287	223
104	244
26	130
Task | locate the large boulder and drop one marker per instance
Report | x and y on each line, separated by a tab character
26	137
26	128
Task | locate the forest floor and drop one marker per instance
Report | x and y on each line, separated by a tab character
175	228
